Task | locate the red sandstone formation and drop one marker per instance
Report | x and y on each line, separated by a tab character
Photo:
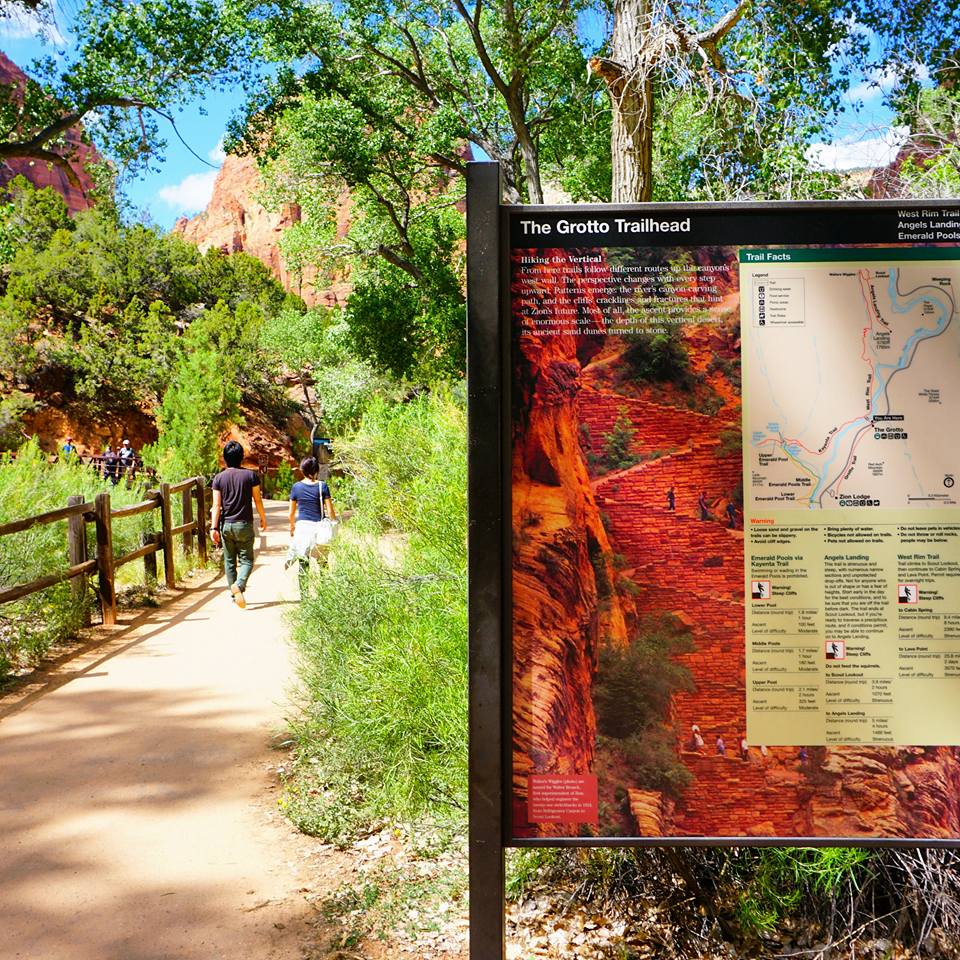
235	220
886	183
560	550
53	424
42	174
684	568
266	444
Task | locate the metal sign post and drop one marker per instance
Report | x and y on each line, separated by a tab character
486	598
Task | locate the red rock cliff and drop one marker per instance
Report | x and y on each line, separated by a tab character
563	603
235	220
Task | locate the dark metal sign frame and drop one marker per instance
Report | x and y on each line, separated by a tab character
489	224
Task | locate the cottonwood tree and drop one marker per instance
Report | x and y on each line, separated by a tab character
393	102
753	63
131	67
491	74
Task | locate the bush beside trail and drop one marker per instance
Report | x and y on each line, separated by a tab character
382	636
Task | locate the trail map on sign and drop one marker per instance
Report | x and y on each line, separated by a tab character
853	393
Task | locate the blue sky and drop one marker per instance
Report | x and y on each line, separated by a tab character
181	185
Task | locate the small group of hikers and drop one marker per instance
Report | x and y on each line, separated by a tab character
236	493
118	463
703	506
696	745
112	464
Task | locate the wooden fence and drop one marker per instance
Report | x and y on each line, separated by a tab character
104	564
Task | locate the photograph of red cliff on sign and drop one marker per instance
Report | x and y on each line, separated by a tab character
629	583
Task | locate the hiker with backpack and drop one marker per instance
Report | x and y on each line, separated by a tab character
312	518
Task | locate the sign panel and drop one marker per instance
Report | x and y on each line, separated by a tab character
734	521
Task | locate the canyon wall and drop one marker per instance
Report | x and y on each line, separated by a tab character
563	603
235	220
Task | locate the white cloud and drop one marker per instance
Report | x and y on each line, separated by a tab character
191	194
852	153
877	83
19	23
880	82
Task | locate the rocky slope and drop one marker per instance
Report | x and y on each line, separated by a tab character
235	220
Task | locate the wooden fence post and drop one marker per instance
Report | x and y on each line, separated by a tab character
188	535
77	553
149	559
166	516
199	489
108	595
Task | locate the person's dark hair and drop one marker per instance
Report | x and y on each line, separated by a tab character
233	454
309	467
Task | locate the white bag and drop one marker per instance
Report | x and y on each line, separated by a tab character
311	538
326	531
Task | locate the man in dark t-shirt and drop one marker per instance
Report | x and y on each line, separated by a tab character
235	493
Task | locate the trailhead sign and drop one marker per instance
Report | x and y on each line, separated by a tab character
731	522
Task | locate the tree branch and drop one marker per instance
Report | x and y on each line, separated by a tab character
421	69
527	49
403	71
391	256
723	26
473	25
25	148
48	156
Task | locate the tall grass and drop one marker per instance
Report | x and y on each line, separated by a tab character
382	633
30	485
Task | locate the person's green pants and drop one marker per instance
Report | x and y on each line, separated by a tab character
237	539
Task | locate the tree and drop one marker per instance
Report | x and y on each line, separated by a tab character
391	104
201	400
133	65
928	164
317	349
102	311
753	64
29	218
438	75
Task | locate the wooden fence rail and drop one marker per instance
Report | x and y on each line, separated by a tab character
78	513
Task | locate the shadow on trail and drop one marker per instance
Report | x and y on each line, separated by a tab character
66	810
51	677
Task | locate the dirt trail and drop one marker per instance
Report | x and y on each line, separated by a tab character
137	795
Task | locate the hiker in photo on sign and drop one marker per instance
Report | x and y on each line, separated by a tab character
235	492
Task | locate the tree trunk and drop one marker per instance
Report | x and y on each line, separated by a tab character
629	79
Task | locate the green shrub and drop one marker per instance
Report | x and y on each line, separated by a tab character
200	401
13	408
382	632
780	882
616	445
106	310
658	357
277	486
731	443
